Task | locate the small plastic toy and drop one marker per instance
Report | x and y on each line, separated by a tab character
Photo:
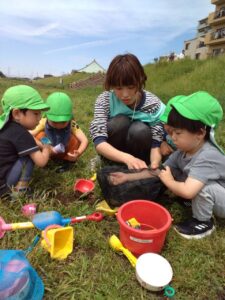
153	271
58	241
29	210
133	223
85	185
42	220
7	227
105	208
136	225
60	148
45	141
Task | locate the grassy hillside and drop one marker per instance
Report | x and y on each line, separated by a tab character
187	76
93	270
184	77
55	81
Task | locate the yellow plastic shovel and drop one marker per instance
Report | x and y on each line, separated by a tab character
153	271
105	208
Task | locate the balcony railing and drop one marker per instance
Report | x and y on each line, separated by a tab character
215	38
217	18
202	25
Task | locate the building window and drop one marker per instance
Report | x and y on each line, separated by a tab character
187	46
220	13
216	52
197	55
201	44
219	33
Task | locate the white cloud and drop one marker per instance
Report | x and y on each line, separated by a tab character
96	18
45	33
95	43
29	30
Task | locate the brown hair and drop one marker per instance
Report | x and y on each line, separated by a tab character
176	120
125	70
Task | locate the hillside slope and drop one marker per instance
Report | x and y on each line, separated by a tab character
187	76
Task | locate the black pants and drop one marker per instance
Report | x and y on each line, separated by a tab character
133	137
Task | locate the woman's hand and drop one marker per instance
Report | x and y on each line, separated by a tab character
134	162
113	154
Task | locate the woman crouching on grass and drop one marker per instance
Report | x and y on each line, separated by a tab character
126	127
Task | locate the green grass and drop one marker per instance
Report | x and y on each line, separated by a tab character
93	270
55	81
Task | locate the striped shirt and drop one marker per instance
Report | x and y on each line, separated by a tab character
149	104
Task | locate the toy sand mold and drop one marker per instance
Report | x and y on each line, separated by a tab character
85	186
58	241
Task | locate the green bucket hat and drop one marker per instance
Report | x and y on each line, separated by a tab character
21	97
61	109
201	106
168	108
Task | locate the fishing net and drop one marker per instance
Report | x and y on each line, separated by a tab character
18	279
116	195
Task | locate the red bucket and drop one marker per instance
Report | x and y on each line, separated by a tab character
151	236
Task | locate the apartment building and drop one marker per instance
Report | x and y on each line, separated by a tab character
215	40
196	47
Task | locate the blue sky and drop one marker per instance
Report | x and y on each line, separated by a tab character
54	36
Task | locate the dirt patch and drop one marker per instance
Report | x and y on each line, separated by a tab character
93	80
87	251
66	199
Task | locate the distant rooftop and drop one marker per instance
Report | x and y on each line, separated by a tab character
93	67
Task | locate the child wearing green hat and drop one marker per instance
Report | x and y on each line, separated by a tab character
22	106
196	170
67	139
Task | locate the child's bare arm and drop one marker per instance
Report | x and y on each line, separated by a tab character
83	145
80	135
41	157
39	143
117	178
155	158
165	149
187	189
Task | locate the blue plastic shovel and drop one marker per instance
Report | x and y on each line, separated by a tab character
44	219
